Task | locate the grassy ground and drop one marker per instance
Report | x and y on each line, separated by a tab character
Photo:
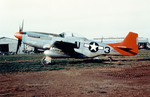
20	57
31	63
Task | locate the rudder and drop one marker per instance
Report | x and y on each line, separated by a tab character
129	46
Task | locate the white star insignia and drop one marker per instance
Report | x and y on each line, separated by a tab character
93	47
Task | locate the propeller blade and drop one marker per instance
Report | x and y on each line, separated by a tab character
22	25
21	28
19	39
18	45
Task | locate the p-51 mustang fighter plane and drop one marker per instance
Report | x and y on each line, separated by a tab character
60	45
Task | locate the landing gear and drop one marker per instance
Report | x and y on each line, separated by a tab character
46	60
110	59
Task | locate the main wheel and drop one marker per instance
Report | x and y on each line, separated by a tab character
46	61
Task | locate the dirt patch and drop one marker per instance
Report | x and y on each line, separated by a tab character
99	81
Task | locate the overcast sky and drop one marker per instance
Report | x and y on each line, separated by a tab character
90	18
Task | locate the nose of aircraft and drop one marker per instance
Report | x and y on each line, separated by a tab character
18	35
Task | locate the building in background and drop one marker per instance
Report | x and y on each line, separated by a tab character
9	46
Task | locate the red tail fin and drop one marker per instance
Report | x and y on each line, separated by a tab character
129	46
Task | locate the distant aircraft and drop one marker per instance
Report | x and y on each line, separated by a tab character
61	45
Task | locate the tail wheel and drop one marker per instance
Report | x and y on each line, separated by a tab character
110	59
46	60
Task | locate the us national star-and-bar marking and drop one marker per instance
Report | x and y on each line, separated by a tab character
93	47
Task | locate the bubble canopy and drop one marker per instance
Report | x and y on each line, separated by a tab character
70	34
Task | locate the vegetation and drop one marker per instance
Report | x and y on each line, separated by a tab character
57	64
20	57
31	63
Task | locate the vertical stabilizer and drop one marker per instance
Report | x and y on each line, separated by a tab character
129	46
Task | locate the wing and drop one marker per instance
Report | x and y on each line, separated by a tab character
67	48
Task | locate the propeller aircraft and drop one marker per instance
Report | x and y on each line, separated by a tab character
63	46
